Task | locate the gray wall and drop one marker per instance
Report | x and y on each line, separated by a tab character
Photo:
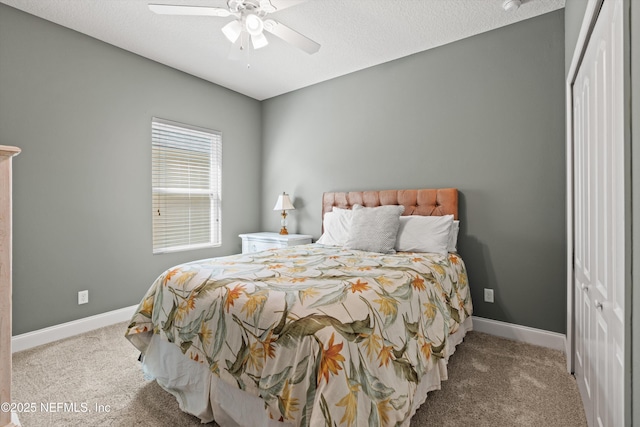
485	115
81	111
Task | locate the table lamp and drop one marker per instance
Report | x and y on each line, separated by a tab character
283	204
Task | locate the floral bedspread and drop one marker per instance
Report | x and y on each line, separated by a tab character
325	336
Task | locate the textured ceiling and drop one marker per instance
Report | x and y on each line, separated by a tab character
354	34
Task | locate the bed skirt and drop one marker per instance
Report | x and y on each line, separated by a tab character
201	393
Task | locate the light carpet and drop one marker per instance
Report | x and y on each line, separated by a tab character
94	379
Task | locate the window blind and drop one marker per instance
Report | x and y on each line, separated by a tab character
186	172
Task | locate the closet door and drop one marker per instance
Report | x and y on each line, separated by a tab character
599	221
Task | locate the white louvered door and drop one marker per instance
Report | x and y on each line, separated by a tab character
599	220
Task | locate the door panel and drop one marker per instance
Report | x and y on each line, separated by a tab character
584	207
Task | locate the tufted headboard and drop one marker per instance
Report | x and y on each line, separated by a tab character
426	202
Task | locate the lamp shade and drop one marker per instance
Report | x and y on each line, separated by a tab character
283	203
259	41
253	24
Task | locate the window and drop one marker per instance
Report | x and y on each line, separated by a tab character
186	166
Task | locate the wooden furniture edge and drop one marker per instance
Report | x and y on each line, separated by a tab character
6	154
8	151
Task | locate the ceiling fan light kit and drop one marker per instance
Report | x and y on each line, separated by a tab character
232	31
258	41
253	24
249	19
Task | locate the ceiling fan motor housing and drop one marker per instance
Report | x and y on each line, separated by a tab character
259	8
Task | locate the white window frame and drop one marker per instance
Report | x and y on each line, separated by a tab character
173	232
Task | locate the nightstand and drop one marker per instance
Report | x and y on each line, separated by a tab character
256	242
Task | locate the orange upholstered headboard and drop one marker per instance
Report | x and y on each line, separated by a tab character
426	202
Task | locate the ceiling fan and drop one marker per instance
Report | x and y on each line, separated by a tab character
250	21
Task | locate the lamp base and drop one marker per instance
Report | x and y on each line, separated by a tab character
283	223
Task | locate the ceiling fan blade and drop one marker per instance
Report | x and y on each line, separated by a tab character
169	9
291	36
283	4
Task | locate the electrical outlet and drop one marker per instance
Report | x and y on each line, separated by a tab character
488	295
83	297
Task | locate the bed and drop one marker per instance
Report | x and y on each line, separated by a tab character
314	335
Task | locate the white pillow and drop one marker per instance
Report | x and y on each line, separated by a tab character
374	229
337	224
453	236
424	234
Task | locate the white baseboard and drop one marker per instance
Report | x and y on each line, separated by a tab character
524	334
29	340
65	330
